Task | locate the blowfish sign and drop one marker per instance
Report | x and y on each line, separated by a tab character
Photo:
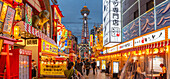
48	47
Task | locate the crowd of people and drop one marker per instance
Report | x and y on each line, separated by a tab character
81	65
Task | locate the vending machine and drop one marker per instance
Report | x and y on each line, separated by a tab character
22	66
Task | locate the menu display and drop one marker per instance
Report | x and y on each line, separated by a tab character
52	69
115	67
103	64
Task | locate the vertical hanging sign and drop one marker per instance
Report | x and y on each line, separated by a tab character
111	22
8	20
91	40
28	15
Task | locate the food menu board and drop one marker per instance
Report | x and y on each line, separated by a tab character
98	63
103	64
115	67
52	69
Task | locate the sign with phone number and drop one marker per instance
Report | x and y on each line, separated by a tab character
48	47
48	69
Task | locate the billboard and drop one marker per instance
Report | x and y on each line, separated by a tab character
103	64
111	22
91	40
115	67
28	14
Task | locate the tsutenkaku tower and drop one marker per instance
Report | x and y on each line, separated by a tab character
85	31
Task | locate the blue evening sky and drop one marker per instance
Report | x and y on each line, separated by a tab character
71	11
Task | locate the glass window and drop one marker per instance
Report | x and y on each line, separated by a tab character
149	5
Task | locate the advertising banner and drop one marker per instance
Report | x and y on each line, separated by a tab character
48	29
69	43
9	20
115	67
113	49
91	40
125	45
28	14
98	63
111	22
1	44
1	22
55	69
103	64
154	37
48	47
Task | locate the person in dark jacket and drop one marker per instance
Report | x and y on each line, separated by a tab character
87	66
79	65
94	66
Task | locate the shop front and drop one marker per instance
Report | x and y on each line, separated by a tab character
21	63
149	50
50	64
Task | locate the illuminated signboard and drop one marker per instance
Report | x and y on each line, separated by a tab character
125	45
9	20
48	47
1	11
98	63
28	14
115	67
1	44
154	37
113	49
111	22
103	64
48	29
91	40
168	33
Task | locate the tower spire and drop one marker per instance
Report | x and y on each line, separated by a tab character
85	32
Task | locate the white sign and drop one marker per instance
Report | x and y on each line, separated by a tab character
115	67
168	33
113	49
105	51
125	45
154	37
111	21
98	63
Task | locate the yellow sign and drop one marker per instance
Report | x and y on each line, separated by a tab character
1	44
55	69
48	47
69	44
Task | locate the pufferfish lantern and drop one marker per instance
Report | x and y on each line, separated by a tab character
41	19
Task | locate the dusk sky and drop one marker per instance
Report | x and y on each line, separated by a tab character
72	16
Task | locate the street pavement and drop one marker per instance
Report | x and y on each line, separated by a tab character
99	75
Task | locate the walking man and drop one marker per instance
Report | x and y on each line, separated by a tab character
94	66
79	65
87	66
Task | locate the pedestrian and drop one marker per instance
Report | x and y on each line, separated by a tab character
130	68
83	65
108	68
34	69
84	68
79	65
87	66
164	72
94	66
136	65
70	72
